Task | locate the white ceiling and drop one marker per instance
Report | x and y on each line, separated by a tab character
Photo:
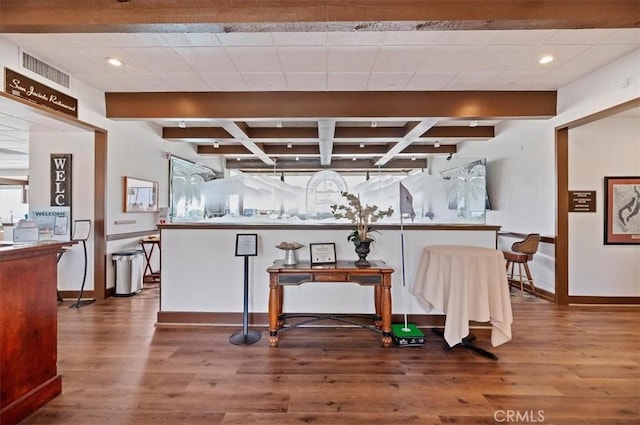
316	61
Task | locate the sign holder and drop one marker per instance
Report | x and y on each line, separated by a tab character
246	246
81	230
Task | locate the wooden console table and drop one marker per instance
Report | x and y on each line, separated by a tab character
378	275
149	275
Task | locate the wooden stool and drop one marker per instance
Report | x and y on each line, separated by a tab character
521	253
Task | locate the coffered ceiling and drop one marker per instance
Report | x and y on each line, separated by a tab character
305	85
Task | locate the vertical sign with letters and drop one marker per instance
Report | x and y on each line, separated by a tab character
60	179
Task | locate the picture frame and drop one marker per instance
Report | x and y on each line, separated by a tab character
140	195
322	253
246	244
622	210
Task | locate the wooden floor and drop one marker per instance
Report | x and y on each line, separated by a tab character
573	365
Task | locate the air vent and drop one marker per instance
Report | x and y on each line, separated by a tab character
46	70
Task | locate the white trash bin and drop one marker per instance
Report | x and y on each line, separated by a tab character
128	272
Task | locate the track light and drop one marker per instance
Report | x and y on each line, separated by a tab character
353	159
297	158
279	124
473	123
436	145
374	124
216	145
361	145
182	124
238	159
449	157
413	158
289	145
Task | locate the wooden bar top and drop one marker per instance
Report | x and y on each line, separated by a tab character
15	251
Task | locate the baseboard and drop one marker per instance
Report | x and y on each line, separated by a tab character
74	294
32	401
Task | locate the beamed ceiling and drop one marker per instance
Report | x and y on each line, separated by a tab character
304	85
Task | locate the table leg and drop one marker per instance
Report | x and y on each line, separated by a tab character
386	311
275	307
377	301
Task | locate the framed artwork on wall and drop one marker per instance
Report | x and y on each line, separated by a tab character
621	210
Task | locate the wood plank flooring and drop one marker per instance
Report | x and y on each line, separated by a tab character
565	366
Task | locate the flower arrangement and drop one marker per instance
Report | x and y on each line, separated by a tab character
361	216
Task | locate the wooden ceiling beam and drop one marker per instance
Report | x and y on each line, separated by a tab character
461	132
177	133
300	104
314	164
312	15
235	149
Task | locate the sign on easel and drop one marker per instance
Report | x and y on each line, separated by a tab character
246	246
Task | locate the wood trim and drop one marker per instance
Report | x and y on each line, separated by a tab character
603	114
13	182
74	294
313	15
580	299
562	216
300	104
130	235
99	215
32	401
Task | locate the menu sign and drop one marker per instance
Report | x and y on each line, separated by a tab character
582	201
33	91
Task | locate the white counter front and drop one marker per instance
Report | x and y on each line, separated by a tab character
201	274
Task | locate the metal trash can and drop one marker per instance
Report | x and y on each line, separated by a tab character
128	272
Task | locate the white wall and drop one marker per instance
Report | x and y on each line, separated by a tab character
609	147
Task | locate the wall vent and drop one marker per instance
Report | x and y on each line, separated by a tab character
46	70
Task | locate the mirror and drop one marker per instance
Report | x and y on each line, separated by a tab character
140	195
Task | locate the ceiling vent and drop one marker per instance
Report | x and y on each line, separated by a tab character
46	70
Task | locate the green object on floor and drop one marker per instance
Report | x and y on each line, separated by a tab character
407	338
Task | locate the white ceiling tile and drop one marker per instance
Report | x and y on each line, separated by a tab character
348	81
399	58
190	39
303	59
34	40
206	59
107	81
522	58
520	37
184	82
252	59
97	56
300	38
147	82
408	38
472	80
363	38
225	82
159	59
265	81
351	59
430	80
245	39
448	58
466	37
138	40
600	36
86	40
389	80
305	81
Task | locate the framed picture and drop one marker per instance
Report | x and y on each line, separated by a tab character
140	195
323	253
246	245
622	210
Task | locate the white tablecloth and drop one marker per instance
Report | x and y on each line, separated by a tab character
466	283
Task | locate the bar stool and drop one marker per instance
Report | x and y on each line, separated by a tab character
521	253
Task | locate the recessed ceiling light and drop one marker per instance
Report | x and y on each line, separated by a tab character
115	61
374	124
238	159
546	59
279	124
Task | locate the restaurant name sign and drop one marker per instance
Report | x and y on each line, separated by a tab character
33	91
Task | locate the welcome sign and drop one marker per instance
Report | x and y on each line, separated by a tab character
33	91
60	179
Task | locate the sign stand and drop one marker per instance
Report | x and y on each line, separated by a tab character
81	231
246	246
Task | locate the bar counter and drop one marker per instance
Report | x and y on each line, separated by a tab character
28	329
